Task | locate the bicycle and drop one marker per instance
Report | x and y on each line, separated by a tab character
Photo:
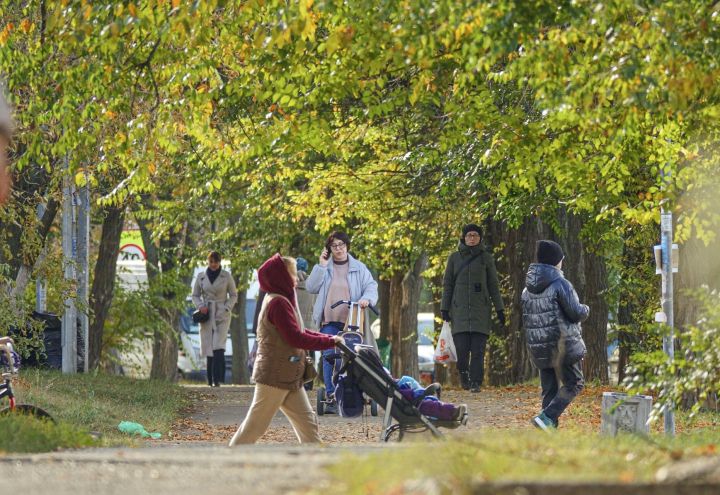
10	366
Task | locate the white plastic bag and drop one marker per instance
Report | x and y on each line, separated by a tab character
445	348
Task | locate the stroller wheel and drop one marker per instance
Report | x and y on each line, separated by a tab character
394	433
373	408
321	401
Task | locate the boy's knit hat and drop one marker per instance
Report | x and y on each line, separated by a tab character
548	252
301	264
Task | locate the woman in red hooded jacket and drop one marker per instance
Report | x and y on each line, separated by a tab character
280	362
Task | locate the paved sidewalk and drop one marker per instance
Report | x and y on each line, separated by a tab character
172	470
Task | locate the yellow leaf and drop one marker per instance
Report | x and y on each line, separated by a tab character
132	9
88	11
80	179
175	3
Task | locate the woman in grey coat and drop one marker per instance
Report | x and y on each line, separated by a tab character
338	276
214	293
469	285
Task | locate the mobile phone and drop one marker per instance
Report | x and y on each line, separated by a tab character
326	254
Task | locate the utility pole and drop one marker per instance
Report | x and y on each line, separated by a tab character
83	253
40	287
666	257
69	245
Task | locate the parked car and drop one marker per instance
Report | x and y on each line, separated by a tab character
425	332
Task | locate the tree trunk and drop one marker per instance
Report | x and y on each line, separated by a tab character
103	285
239	338
384	303
508	359
165	340
588	274
23	248
595	327
32	258
393	314
405	298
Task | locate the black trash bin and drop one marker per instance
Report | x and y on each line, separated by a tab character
51	355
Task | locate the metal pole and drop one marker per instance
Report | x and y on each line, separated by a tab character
40	287
83	244
667	303
69	320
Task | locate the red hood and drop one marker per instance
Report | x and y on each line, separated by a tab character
274	277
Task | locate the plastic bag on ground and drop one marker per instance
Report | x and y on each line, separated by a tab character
136	429
445	349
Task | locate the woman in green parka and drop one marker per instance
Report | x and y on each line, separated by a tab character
469	286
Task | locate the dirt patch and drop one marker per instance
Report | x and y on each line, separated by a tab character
217	412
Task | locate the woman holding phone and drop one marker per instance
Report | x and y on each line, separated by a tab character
338	276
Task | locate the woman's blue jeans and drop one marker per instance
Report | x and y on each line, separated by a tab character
330	328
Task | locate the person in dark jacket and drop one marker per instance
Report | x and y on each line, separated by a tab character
551	316
469	285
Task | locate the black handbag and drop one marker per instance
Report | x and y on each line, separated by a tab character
200	317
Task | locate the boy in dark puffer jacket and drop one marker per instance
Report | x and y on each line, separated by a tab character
551	316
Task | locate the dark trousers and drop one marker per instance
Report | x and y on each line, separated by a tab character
470	347
331	328
559	387
216	367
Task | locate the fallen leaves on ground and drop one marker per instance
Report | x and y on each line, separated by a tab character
493	407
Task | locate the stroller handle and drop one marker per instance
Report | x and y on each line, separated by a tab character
342	301
345	349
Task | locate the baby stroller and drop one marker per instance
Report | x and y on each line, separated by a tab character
355	332
365	368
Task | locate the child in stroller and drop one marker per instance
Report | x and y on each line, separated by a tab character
401	401
428	402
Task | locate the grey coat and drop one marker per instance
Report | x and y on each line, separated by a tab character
360	281
305	301
469	291
220	297
551	316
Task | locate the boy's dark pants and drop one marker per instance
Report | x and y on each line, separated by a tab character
560	386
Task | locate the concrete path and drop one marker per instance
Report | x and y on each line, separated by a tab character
171	470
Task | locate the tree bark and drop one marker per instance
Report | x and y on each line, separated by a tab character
405	297
103	285
165	340
588	274
394	310
32	258
239	338
384	303
508	359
